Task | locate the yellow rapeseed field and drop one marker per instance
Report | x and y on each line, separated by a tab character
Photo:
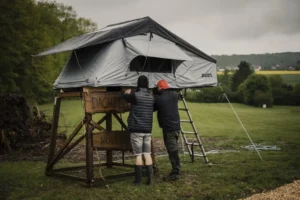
269	72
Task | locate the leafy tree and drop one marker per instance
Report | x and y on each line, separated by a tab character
240	75
276	81
255	84
296	94
260	98
28	27
225	78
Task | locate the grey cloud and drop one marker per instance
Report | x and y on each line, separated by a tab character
206	22
262	18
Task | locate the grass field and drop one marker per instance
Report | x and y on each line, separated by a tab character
231	175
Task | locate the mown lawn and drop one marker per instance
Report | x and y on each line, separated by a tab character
231	175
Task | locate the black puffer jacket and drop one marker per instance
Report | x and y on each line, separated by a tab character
166	104
141	111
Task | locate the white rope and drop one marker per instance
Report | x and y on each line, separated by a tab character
240	122
99	160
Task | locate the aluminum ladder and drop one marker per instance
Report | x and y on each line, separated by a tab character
189	142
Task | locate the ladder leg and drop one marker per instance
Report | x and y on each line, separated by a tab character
191	150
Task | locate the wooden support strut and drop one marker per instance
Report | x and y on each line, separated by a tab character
97	126
56	109
61	153
120	121
89	150
88	136
109	159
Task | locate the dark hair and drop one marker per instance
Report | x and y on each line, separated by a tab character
143	82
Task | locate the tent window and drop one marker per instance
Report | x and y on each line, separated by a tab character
151	64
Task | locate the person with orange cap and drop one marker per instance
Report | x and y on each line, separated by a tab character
166	104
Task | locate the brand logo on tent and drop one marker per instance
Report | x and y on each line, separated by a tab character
207	75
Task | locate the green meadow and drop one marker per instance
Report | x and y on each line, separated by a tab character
230	175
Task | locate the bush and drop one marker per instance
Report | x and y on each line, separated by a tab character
296	94
261	98
253	83
207	95
275	80
282	96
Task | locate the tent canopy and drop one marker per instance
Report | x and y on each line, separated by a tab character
117	54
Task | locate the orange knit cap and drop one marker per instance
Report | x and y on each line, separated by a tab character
163	84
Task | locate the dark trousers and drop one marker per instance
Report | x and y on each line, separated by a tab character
171	143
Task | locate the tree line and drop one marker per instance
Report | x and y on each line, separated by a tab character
280	61
27	28
244	86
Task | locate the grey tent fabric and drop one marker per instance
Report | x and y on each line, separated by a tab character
155	47
123	30
104	59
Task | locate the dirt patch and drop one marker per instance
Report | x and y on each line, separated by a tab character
288	192
38	151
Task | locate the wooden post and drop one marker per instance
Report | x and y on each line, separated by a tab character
56	109
61	152
109	159
89	150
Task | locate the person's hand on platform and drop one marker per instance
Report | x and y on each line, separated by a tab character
127	91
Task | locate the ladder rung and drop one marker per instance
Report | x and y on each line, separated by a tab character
183	109
200	155
188	121
195	144
188	132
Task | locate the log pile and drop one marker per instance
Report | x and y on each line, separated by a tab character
19	122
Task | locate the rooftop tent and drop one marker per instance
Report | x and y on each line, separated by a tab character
117	54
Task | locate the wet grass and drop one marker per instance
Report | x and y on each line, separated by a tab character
230	175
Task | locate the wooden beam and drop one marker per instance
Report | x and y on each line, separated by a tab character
52	173
120	121
58	156
52	147
76	168
70	94
123	165
115	176
74	144
97	126
102	120
89	150
109	159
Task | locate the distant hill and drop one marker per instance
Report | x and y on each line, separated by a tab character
266	61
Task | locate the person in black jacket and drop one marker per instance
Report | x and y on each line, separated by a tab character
166	104
140	126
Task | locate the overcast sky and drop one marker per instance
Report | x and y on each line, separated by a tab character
213	26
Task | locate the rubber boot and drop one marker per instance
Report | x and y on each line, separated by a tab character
175	162
149	174
138	172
